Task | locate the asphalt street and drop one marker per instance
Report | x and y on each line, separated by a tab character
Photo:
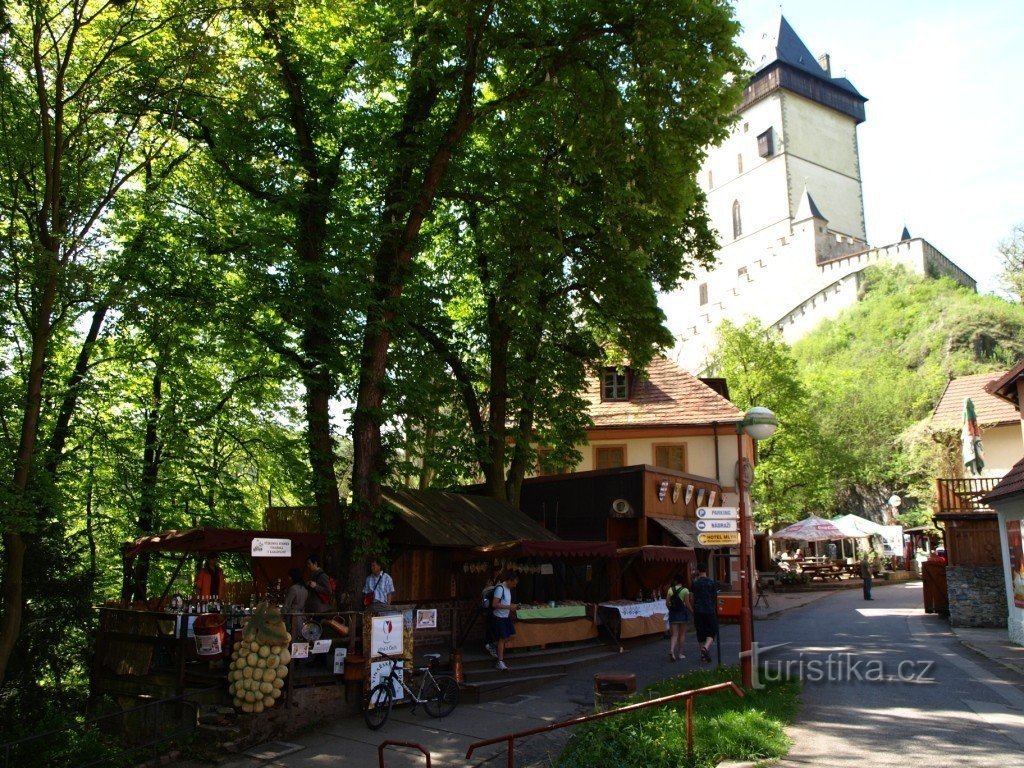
884	685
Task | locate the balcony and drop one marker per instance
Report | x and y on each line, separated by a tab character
962	497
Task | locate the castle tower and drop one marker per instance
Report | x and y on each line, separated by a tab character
795	141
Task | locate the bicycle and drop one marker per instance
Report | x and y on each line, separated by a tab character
439	694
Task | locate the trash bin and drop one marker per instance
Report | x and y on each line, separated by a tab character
612	687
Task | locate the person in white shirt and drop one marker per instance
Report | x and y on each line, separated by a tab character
379	589
503	607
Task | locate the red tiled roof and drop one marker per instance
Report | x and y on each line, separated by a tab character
668	396
1005	385
1012	484
991	410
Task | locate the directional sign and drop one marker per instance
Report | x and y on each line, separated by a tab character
718	513
717	525
718	539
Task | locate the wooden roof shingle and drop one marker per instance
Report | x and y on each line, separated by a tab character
991	410
666	396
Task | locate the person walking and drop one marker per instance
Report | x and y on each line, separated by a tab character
705	611
679	607
320	592
865	574
487	607
501	601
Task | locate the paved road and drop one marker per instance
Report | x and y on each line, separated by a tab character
900	689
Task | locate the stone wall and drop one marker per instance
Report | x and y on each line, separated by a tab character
977	596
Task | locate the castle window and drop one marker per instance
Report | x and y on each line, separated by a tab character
766	144
741	272
711	181
739	163
703	291
737	222
614	384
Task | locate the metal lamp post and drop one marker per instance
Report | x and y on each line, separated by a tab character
758	424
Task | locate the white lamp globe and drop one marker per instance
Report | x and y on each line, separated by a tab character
895	501
760	423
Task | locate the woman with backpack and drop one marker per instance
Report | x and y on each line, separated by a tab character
679	609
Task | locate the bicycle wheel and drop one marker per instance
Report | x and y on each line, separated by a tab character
377	706
441	696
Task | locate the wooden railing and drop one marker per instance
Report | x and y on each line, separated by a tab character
963	496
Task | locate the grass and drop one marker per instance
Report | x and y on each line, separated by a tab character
726	727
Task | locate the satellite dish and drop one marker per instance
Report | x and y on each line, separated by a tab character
620	507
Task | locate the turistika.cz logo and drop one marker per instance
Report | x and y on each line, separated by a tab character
834	668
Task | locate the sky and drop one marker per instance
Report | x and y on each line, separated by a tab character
942	149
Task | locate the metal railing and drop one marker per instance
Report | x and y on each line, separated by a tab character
686	696
16	749
390	743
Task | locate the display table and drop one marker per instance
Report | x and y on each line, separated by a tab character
543	625
633	618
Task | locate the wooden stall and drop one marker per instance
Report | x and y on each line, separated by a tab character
560	583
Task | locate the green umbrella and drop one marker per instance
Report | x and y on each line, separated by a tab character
970	439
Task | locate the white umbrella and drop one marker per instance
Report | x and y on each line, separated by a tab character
856	527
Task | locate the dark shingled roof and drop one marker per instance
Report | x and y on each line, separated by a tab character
443	519
1006	385
785	46
1011	485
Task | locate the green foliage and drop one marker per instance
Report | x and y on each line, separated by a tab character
725	727
876	372
1012	251
793	466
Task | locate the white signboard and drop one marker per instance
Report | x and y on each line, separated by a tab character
718	513
271	547
426	618
892	538
386	635
339	660
300	650
717	525
379	670
321	646
207	645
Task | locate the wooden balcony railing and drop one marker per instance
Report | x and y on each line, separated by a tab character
963	496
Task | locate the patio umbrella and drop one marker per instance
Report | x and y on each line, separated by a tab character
857	527
970	440
814	528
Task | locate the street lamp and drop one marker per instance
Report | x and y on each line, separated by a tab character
758	424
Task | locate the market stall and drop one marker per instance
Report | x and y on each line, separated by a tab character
179	639
560	582
647	572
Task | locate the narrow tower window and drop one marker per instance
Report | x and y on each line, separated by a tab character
703	293
737	222
739	163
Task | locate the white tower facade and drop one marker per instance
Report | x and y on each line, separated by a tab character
784	194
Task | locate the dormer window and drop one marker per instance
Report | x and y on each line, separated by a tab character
615	384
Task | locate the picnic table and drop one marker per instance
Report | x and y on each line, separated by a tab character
832	570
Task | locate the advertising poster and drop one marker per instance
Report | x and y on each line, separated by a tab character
386	635
1015	546
426	618
379	670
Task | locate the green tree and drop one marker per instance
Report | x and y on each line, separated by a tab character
68	150
793	467
1012	251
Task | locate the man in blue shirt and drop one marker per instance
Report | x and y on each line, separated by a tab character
705	611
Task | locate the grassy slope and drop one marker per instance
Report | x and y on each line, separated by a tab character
881	366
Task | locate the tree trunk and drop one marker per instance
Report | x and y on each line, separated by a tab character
14	544
151	457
